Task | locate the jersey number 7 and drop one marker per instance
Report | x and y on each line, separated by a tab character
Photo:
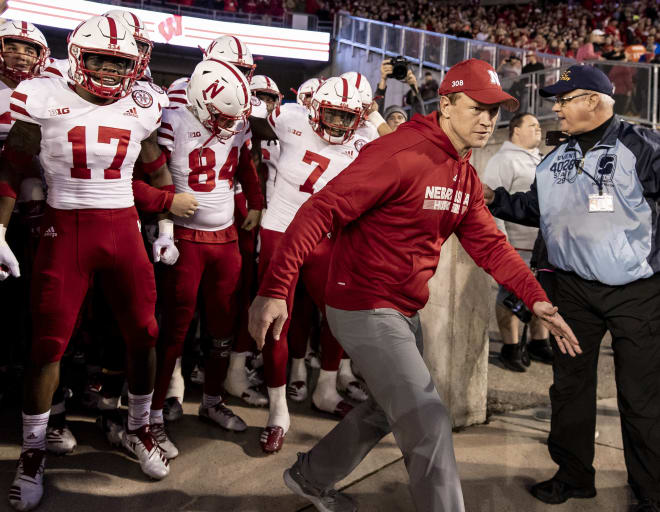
314	158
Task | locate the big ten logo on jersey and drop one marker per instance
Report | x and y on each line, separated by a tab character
444	198
171	27
298	133
59	111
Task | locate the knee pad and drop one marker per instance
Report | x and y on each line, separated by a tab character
144	336
47	350
217	347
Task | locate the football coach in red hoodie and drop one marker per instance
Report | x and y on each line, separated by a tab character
390	211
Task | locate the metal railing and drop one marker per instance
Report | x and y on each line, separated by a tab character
636	84
427	49
284	21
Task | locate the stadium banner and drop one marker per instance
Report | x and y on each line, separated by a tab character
180	30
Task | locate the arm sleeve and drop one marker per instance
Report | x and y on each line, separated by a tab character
368	182
149	199
519	208
489	249
166	136
247	177
380	99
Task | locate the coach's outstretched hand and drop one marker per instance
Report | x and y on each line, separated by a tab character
265	311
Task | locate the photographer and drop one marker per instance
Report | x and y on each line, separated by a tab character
397	68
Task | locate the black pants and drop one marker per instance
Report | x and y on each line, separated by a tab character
632	315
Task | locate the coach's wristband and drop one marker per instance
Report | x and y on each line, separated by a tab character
375	118
166	228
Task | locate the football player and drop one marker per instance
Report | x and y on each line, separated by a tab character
205	141
88	132
306	90
316	145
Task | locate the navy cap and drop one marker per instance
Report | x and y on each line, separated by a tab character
579	77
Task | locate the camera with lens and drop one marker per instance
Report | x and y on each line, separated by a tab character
399	68
518	308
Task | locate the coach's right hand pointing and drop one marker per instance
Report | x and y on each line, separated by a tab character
265	311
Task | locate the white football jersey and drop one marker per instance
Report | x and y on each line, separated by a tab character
87	151
176	92
270	153
305	165
6	121
203	166
56	68
259	108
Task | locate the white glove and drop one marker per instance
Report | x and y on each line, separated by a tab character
164	248
7	259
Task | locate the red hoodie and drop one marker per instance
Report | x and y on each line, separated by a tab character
392	210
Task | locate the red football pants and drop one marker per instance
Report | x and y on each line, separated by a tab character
213	269
75	245
314	274
247	244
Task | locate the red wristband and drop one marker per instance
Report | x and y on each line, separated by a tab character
149	167
6	190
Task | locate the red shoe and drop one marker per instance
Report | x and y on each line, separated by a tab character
272	439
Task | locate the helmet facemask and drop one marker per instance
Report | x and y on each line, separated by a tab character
105	84
336	124
6	49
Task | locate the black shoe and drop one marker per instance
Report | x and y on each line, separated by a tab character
646	505
554	491
511	357
540	350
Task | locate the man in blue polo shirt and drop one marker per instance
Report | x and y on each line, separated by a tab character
595	199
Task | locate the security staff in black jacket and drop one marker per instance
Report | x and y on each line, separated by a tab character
595	199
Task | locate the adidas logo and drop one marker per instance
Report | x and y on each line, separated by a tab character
31	436
131	112
50	232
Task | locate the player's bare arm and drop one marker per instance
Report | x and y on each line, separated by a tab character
261	130
22	144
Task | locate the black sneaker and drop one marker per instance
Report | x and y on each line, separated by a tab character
540	350
554	491
511	357
646	505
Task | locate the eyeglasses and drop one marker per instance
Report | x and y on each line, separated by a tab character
562	101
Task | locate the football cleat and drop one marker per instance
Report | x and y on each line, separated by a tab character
354	389
297	391
144	446
113	429
197	375
272	439
169	450
223	416
60	440
172	409
28	486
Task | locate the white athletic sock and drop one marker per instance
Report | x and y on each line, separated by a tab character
209	401
325	395
34	431
298	370
279	411
237	380
177	385
138	410
156	416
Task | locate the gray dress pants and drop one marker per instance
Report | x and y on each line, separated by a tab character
387	347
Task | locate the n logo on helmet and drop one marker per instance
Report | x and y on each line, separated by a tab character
494	79
213	90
